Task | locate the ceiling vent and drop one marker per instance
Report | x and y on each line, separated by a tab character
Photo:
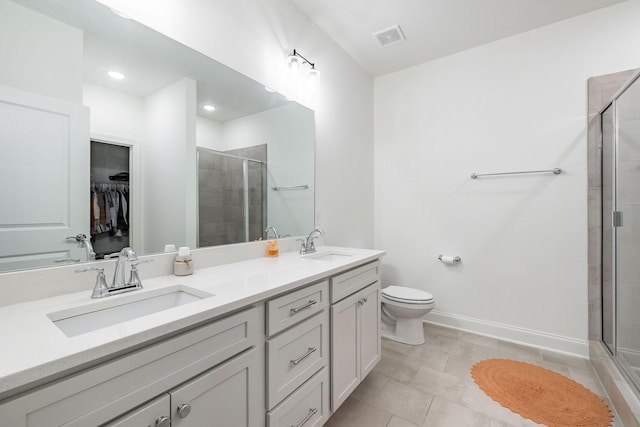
389	36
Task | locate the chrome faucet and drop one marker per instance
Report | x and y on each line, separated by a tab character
118	276
275	232
308	246
118	285
84	242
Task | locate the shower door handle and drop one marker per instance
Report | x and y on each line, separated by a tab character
616	218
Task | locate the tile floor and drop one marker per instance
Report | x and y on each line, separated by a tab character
431	385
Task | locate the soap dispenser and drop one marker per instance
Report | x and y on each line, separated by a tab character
183	265
272	248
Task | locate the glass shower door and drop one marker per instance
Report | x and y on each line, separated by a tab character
608	231
231	198
627	229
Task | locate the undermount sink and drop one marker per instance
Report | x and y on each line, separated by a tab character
329	256
90	317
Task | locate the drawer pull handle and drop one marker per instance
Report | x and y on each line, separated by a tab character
307	305
311	413
362	301
304	356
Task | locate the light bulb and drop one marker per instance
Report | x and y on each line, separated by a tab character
313	80
294	62
116	75
294	76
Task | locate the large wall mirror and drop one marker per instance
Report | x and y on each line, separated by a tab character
177	150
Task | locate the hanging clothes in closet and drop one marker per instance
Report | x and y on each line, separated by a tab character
109	209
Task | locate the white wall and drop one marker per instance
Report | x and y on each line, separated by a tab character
208	133
516	104
50	65
288	132
113	112
254	37
169	167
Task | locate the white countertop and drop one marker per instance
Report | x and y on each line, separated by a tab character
34	350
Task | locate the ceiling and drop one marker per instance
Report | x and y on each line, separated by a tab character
433	28
152	61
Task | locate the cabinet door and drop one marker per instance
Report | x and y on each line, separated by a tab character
355	341
154	414
345	364
231	395
369	318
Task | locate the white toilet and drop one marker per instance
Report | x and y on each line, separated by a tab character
402	311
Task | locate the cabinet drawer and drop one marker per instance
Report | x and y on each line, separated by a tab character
352	281
295	355
294	307
148	415
306	407
88	398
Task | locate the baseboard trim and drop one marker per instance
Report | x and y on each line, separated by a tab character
511	333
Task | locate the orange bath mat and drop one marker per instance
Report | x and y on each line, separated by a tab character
540	395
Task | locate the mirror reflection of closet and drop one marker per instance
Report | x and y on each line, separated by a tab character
110	200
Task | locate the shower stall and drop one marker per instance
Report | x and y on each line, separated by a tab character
231	195
620	195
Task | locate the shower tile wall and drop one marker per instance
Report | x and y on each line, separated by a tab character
220	193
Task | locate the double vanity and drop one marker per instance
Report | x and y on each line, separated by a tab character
261	342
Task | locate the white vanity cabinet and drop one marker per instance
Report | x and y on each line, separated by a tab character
227	392
287	358
222	362
355	329
297	359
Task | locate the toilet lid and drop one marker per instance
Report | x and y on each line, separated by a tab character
404	294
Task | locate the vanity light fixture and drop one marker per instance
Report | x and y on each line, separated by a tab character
209	107
296	61
116	75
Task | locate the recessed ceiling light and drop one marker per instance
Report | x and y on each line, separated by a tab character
117	75
209	107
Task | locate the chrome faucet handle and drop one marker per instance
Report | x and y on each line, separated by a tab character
134	278
100	289
303	246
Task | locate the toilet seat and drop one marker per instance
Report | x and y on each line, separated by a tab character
406	295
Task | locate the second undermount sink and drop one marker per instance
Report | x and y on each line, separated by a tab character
90	317
329	256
